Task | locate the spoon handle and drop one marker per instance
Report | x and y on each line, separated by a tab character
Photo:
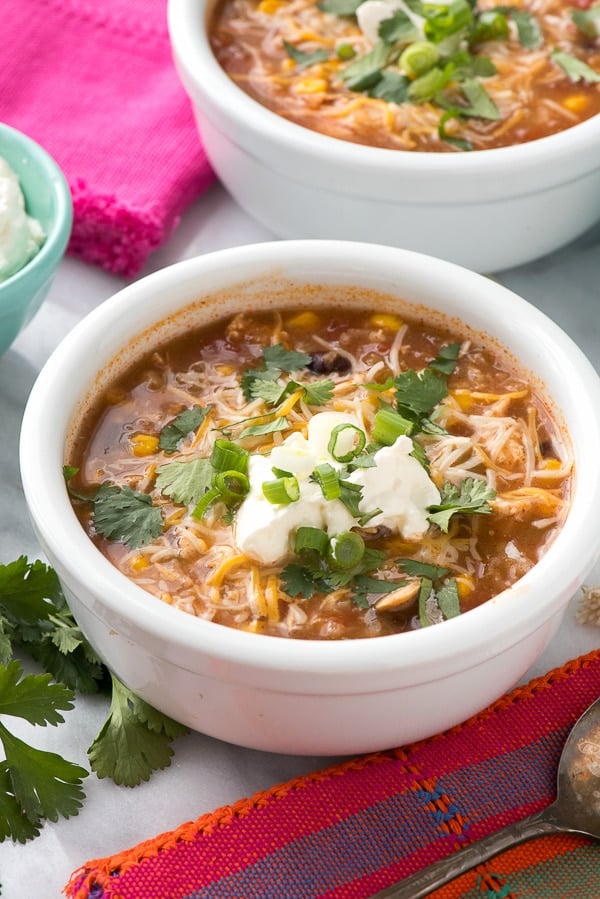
423	882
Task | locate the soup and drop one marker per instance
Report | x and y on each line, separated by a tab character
408	75
326	473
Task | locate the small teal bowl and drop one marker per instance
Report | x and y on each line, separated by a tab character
48	199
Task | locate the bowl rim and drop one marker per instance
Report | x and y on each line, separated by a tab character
457	641
57	236
187	20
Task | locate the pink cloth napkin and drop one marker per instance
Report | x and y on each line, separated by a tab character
94	83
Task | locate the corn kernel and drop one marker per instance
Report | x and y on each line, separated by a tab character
576	102
305	321
255	627
288	64
167	597
552	464
269	6
138	563
310	86
224	368
463	398
144	444
464	585
385	320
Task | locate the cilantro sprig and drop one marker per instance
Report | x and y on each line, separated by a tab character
264	382
180	427
418	394
438	598
34	784
37	785
472	497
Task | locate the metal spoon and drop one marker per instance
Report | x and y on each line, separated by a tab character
575	810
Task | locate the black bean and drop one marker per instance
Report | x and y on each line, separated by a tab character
326	362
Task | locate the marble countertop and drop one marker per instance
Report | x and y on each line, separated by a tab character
205	773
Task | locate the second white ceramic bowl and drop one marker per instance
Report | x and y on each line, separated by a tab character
487	210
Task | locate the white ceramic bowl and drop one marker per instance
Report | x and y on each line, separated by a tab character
302	696
487	210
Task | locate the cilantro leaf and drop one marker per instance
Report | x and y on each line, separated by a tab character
33	697
587	20
340	7
459	142
13	823
302	59
251	376
417	394
472	497
365	585
365	71
318	392
134	740
34	613
275	359
182	425
575	68
126	516
528	28
298	581
446	359
398	29
43	783
481	105
425	593
448	599
186	482
271	392
269	427
26	588
392	87
34	784
422	569
277	356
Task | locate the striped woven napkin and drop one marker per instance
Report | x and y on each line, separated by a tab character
353	829
95	85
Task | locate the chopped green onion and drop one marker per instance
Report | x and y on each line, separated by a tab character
346	550
282	491
326	477
345	52
231	484
443	20
228	456
311	540
431	83
360	439
418	58
209	497
389	425
490	25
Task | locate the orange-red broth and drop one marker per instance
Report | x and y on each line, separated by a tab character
194	565
534	96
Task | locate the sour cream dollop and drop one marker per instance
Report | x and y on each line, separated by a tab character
21	236
397	485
